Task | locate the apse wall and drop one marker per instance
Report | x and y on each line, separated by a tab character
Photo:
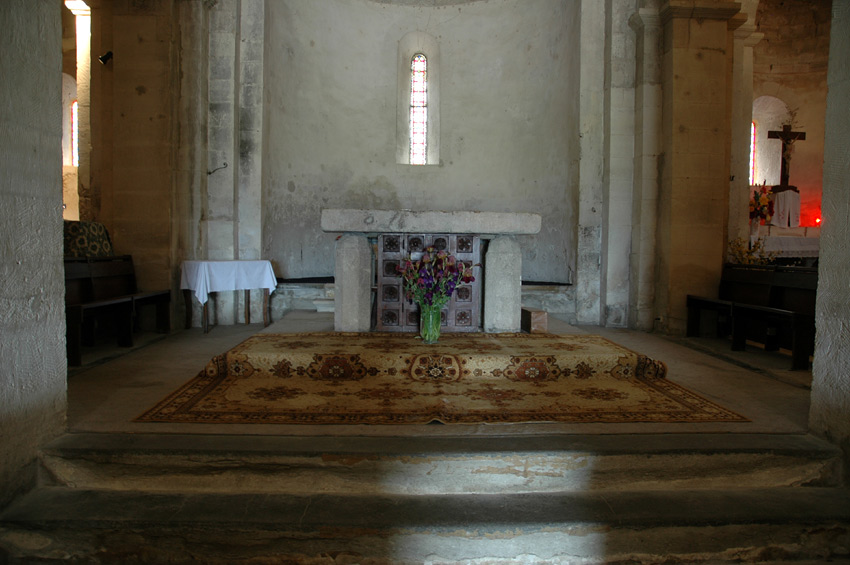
790	63
508	117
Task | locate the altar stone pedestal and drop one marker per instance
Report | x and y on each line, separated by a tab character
502	263
353	284
503	286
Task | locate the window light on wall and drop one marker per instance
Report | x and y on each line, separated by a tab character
419	110
752	153
75	134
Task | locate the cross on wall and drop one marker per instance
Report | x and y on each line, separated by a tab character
787	137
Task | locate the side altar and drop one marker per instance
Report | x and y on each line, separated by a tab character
355	263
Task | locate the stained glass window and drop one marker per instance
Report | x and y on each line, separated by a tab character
418	109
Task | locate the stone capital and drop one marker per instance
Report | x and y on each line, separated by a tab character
752	39
700	10
645	18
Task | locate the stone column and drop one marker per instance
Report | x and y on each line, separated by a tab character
648	158
831	369
502	285
33	384
249	189
590	278
353	284
619	164
220	201
742	118
231	211
693	200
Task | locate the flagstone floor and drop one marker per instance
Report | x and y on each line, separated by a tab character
109	391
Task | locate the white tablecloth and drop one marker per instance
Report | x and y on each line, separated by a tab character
205	277
786	246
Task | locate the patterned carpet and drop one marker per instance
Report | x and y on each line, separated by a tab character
392	378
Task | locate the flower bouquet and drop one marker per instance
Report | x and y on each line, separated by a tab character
761	205
430	281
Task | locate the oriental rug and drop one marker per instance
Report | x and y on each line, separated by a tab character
393	378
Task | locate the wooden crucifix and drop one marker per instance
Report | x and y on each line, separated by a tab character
788	137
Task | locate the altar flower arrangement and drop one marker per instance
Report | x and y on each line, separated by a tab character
761	205
430	281
742	252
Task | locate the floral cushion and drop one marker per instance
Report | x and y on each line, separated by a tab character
87	239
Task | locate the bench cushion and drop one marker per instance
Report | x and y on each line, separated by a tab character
86	239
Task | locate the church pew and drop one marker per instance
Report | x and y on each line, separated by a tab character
103	290
766	304
793	329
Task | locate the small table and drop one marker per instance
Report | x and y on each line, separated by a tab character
204	277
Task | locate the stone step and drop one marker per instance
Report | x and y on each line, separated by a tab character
683	526
438	465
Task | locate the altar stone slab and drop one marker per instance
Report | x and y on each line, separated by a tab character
502	280
429	221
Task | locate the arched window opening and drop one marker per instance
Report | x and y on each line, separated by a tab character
419	110
769	113
75	134
753	139
418	107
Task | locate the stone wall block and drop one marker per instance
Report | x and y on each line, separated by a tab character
221	92
221	66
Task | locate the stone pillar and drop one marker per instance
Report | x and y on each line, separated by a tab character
648	159
353	284
831	369
232	203
619	164
33	383
191	168
249	213
502	285
590	278
693	201
742	117
219	221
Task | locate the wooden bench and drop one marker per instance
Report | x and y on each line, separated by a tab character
104	289
773	305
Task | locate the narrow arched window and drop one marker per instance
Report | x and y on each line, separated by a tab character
753	140
419	110
418	100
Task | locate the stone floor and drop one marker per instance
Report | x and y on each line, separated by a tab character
109	391
116	491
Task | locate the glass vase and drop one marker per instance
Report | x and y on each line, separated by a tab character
755	226
429	323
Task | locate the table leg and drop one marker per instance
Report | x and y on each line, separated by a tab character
266	313
206	318
187	298
247	306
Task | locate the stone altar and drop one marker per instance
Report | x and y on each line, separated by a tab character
502	271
